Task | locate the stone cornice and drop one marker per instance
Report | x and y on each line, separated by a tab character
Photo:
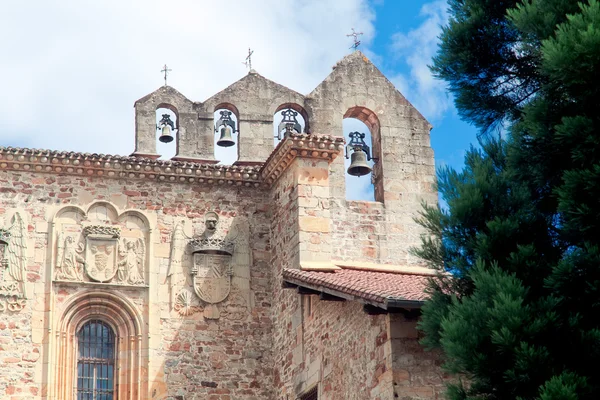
110	166
314	146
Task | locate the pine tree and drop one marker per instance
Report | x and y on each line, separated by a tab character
516	308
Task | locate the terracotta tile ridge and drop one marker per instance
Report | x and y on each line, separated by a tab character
387	268
308	145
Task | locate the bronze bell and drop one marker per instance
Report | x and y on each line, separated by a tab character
225	140
358	163
166	136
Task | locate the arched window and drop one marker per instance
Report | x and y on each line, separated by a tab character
226	138
95	361
167	125
288	117
99	349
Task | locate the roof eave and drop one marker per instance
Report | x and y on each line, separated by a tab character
389	305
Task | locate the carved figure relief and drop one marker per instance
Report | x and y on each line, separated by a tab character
100	246
69	262
131	265
13	263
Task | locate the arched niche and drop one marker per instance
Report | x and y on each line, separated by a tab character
126	322
77	235
301	116
227	155
370	186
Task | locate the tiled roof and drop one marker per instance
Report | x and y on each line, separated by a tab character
375	287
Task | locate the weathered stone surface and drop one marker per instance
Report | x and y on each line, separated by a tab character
107	238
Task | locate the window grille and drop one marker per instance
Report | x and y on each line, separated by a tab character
96	362
312	394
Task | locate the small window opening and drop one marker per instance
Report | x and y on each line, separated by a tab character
287	119
359	187
96	362
311	394
226	135
167	125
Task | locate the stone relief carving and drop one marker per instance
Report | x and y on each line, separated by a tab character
13	263
92	246
220	261
175	273
186	303
131	265
69	260
102	244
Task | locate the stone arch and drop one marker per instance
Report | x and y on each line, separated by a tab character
63	211
228	106
146	134
114	212
172	108
296	107
371	120
138	214
123	318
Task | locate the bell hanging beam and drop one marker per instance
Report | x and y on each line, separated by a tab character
288	124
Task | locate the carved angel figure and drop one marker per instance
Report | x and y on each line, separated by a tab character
68	258
131	267
17	260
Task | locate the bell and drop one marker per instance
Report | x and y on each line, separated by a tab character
166	136
225	140
358	164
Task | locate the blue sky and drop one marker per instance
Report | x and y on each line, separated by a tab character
450	137
76	68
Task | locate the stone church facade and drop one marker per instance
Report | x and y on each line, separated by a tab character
136	278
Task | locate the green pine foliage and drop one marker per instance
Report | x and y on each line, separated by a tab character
516	307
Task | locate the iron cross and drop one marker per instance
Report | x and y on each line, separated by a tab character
248	62
166	72
355	35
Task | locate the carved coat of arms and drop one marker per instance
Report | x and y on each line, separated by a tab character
101	252
212	272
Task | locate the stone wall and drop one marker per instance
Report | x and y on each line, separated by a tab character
337	346
417	373
198	357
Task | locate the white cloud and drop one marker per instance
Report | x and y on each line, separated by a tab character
73	69
417	47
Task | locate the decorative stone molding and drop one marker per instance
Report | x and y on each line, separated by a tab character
103	231
13	264
324	147
250	175
211	245
4	235
86	164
